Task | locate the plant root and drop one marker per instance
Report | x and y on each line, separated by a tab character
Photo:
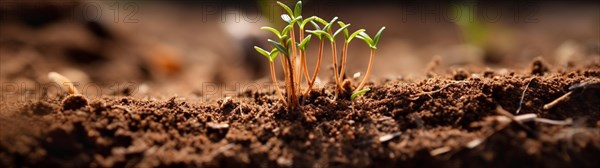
523	95
415	97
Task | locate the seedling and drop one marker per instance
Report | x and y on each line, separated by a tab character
271	57
347	39
292	44
373	45
63	82
75	100
358	93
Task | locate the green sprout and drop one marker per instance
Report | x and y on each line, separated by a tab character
292	44
372	42
358	93
347	39
271	57
326	32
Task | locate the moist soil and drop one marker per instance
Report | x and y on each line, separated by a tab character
446	120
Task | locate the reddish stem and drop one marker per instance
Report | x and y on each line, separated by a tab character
274	78
314	77
362	83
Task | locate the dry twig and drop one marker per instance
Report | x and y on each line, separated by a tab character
576	87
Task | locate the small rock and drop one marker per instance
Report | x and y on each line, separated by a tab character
217	125
460	74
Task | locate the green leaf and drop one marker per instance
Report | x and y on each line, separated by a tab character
279	47
288	43
340	30
342	24
286	18
330	24
298	9
297	19
321	33
320	20
378	36
358	93
273	54
329	36
304	42
318	34
365	37
315	24
354	35
263	52
286	30
306	21
286	8
272	30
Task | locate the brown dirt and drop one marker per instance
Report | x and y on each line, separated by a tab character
430	122
447	117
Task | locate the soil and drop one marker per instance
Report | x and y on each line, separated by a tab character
431	122
449	116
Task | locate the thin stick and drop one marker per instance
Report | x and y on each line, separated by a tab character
523	96
362	83
554	122
503	112
576	87
561	99
274	78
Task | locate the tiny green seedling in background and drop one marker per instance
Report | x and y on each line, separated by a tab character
292	43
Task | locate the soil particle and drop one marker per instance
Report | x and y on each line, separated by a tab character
539	67
488	73
39	108
74	102
460	74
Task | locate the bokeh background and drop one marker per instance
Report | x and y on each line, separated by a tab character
167	48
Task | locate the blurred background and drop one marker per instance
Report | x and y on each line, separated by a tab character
189	48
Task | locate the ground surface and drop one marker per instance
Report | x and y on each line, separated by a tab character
399	122
146	105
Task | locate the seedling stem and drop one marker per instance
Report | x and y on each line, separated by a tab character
366	77
314	77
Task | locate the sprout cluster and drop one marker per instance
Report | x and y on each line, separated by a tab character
292	43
